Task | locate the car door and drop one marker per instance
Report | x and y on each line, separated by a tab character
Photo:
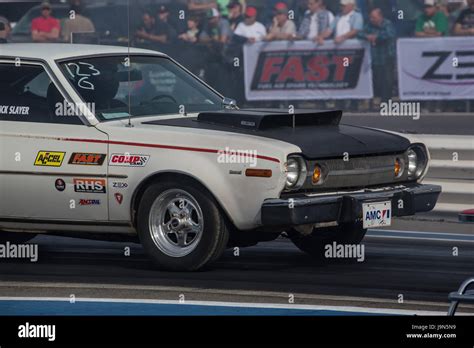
53	166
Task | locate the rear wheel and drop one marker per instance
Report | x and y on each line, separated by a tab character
181	226
314	244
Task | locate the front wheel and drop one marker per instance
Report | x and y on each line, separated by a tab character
181	226
315	243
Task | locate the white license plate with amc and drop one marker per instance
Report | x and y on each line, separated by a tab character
377	214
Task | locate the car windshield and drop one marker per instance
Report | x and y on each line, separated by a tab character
136	86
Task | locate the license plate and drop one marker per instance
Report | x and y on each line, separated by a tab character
377	214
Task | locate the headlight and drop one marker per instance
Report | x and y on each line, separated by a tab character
295	173
417	161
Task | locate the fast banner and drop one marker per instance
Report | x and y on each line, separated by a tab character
436	68
303	70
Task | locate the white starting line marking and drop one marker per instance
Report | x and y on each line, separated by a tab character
435	236
362	310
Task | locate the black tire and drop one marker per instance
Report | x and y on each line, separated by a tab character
314	244
16	237
214	236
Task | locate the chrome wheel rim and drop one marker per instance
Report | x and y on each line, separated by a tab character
176	223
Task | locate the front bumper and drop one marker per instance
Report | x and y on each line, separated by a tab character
347	207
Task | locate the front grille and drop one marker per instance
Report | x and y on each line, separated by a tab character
355	173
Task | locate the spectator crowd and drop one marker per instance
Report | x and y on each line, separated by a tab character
221	27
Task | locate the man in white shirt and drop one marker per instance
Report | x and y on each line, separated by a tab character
252	30
348	24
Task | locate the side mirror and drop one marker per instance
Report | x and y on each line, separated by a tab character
229	103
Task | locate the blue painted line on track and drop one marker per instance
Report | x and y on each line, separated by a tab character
51	308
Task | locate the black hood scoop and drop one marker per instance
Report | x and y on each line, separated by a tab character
318	134
264	119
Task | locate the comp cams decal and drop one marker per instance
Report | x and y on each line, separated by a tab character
49	158
87	159
89	185
128	160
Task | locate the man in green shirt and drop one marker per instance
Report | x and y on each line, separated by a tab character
431	23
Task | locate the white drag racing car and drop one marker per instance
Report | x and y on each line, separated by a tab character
104	141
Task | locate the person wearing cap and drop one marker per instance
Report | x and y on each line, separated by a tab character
282	28
432	23
316	24
348	24
45	28
235	14
464	25
162	27
217	29
250	29
77	23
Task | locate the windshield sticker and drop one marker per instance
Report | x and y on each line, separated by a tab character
14	110
78	70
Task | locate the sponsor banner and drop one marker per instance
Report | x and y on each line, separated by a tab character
302	70
436	68
128	160
91	159
49	159
89	185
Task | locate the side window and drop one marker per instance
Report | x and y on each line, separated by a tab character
27	94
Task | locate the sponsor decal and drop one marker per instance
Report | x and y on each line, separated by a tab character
119	185
128	160
14	110
60	185
118	198
89	185
49	158
89	202
91	159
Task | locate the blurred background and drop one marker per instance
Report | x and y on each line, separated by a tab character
209	36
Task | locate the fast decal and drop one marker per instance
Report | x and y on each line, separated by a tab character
87	159
89	185
49	158
118	198
60	185
127	160
89	202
